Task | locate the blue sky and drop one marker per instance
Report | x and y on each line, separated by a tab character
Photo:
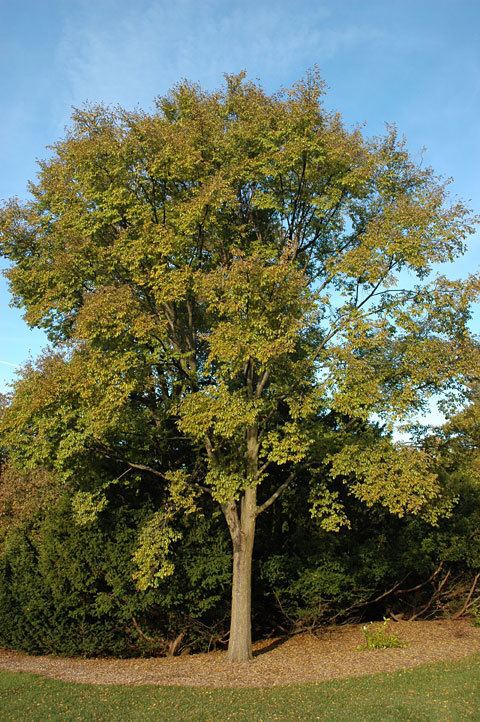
413	63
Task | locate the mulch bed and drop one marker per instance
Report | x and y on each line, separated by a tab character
332	654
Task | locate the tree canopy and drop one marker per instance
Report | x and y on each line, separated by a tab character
220	277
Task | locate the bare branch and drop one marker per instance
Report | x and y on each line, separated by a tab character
275	495
144	467
434	597
467	601
368	602
233	521
262	468
208	446
262	383
422	584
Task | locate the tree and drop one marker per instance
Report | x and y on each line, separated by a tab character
218	276
456	444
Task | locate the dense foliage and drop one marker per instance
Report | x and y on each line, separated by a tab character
235	284
67	587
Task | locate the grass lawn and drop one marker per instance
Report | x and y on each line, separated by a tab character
440	692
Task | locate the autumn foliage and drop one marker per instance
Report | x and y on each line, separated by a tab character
236	285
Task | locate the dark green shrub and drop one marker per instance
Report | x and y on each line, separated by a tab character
68	589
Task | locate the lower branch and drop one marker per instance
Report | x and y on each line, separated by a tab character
275	495
468	599
233	521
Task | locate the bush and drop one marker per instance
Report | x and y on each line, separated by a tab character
68	589
378	636
380	567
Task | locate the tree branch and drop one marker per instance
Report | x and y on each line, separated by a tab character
262	383
462	611
144	467
233	521
275	495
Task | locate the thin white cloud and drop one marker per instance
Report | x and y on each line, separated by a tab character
134	53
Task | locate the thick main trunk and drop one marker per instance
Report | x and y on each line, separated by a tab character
240	642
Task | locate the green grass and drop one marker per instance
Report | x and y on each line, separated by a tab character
440	692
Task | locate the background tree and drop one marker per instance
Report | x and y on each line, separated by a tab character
219	276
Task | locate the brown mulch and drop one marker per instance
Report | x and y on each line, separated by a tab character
332	654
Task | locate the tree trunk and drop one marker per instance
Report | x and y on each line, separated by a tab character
240	641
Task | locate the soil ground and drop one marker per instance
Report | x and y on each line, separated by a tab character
332	654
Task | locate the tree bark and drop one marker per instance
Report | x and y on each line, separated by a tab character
240	641
241	520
